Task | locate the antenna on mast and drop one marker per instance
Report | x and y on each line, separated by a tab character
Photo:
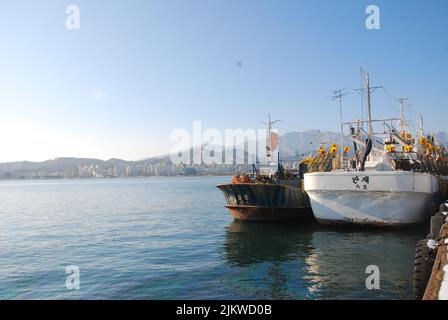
402	120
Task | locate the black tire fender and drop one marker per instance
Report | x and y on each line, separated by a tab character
423	263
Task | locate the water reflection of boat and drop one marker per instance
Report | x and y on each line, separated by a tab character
252	243
284	261
336	268
267	259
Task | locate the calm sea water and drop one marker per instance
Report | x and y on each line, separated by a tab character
171	238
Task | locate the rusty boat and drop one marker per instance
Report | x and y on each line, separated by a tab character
264	197
270	192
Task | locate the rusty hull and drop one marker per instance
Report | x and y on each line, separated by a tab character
254	213
266	201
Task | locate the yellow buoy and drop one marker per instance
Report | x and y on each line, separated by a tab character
408	149
320	151
390	148
423	141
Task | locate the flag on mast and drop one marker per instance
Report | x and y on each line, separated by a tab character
272	144
274	140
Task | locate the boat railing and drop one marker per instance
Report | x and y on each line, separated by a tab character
413	161
343	163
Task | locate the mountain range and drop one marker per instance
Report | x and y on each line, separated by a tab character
293	145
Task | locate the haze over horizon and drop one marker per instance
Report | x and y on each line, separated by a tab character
137	70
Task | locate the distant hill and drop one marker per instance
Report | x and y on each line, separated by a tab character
293	145
58	164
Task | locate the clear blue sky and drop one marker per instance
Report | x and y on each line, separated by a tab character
138	69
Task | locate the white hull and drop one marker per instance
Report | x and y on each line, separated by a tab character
384	198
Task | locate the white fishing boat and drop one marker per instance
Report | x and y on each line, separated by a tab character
391	179
389	198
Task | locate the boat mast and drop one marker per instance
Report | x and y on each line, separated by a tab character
421	125
369	90
269	145
269	139
369	106
338	97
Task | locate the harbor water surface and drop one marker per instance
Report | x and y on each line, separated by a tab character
171	238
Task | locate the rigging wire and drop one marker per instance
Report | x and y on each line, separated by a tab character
388	94
413	117
410	110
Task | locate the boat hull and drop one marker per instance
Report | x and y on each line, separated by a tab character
253	213
371	198
266	202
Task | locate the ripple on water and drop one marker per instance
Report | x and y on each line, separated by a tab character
171	238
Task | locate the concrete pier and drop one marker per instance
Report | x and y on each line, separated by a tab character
437	288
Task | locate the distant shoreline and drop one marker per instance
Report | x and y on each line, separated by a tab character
114	178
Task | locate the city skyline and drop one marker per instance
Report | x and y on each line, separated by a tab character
136	71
